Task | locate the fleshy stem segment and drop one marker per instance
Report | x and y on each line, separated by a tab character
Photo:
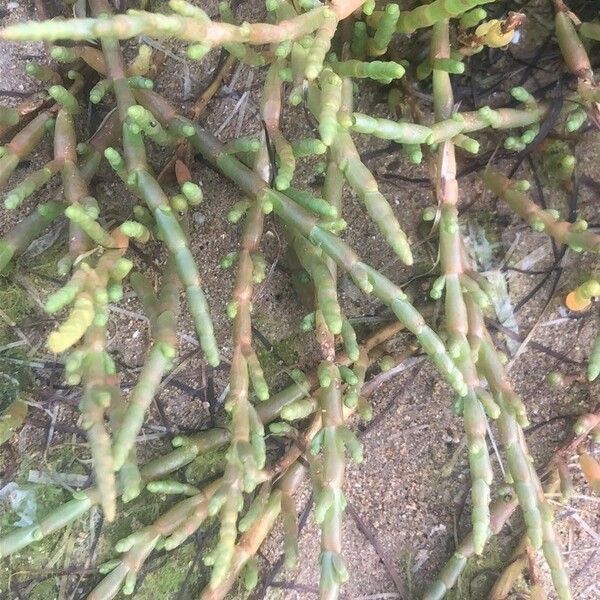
365	277
501	510
154	197
162	311
435	12
246	454
186	450
18	238
454	277
173	527
514	193
187	28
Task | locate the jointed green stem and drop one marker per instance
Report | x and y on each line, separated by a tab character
452	267
22	145
434	12
96	399
187	449
570	234
366	278
186	28
500	512
330	501
163	312
156	200
17	239
324	283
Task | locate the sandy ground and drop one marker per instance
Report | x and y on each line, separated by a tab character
404	500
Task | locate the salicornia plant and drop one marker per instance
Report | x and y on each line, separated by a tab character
315	55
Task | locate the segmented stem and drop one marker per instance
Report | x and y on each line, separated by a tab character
451	262
163	312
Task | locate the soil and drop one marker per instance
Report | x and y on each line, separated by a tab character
408	501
